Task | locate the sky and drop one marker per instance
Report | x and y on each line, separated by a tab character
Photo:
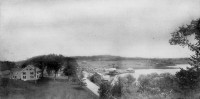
129	28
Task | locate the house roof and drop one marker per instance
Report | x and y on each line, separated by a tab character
31	66
14	70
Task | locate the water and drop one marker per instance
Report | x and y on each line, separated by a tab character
175	69
139	72
184	66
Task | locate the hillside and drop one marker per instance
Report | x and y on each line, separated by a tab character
119	58
108	61
116	58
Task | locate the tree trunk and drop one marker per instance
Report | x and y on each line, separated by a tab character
55	76
42	73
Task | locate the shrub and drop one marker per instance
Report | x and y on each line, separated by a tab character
125	88
117	90
96	78
105	90
157	85
188	81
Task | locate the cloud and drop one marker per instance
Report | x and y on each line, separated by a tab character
87	27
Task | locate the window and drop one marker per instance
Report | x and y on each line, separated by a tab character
32	76
31	73
38	72
24	73
37	76
30	69
24	77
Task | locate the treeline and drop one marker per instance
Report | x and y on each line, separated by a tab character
7	65
50	64
118	58
155	62
53	63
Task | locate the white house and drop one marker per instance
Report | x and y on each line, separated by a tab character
30	72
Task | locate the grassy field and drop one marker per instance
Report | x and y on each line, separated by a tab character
46	89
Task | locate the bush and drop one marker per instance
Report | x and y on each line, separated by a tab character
71	67
117	90
188	81
124	88
105	90
96	78
157	85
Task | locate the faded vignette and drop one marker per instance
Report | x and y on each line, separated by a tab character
99	49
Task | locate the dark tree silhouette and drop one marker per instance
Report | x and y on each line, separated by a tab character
189	35
183	37
51	62
105	90
6	65
71	67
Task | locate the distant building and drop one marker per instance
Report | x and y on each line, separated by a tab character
109	70
130	70
30	72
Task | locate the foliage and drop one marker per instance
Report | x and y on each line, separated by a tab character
117	90
96	78
188	81
105	90
71	67
189	35
124	88
82	79
157	84
51	62
128	87
6	65
113	73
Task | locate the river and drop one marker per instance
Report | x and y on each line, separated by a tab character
176	68
173	70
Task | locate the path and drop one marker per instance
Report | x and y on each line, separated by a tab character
90	85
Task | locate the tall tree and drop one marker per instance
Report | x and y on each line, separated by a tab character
6	65
189	35
38	61
51	62
71	67
54	63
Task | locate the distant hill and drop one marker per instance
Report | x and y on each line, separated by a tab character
109	60
134	62
119	58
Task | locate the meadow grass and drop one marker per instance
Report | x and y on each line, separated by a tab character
45	89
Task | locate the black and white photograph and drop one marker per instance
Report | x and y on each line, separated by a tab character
99	49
